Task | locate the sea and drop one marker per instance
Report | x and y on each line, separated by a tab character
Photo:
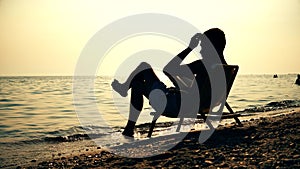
40	118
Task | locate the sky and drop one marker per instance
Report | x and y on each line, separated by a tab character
46	37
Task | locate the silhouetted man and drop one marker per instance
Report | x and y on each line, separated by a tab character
143	80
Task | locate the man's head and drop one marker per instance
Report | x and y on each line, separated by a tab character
217	38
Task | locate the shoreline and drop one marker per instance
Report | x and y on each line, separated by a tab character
268	139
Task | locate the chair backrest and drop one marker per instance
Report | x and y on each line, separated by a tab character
230	72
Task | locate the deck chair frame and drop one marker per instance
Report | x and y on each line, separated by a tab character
233	69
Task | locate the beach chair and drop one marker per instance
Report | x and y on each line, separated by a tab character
230	74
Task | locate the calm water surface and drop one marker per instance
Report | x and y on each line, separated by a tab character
38	108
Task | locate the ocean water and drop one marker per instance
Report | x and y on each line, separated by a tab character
38	115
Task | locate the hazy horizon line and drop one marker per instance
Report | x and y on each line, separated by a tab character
14	75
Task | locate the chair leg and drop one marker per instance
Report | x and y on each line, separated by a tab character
210	126
179	124
152	127
231	112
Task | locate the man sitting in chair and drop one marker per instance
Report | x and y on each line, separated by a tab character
143	79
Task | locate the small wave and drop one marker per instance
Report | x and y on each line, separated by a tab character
5	100
273	106
78	130
71	138
36	92
284	103
11	105
4	126
67	110
242	100
77	133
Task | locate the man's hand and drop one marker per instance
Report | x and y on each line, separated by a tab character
195	40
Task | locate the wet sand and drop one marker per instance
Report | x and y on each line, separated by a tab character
265	142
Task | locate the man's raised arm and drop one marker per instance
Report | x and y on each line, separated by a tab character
174	65
173	68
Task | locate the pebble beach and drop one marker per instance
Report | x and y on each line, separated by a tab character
262	142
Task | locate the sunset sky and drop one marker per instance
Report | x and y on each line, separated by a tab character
46	37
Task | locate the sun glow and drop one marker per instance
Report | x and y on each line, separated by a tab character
47	37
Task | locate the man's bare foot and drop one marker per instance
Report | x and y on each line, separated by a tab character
120	88
128	133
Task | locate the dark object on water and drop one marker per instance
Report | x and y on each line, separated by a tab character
298	80
275	76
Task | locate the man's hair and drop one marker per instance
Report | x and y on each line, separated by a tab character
217	38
